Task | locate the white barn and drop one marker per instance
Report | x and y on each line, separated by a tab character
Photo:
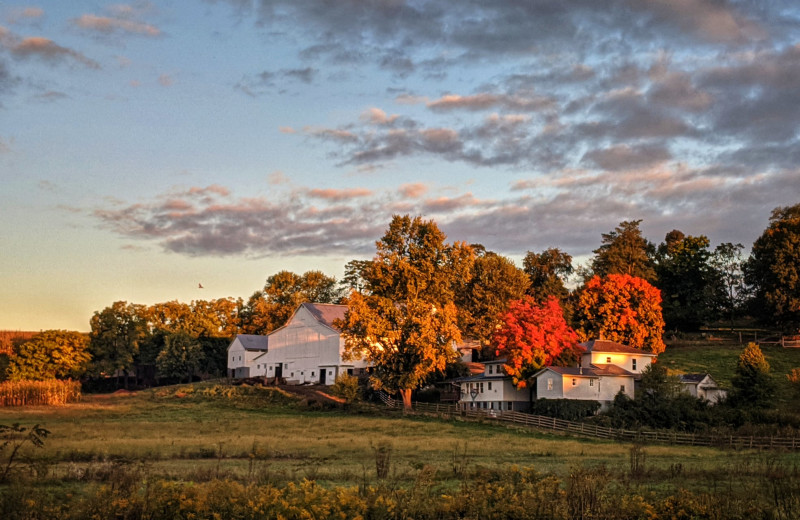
243	350
308	349
702	386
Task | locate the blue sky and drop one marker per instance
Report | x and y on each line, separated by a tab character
150	146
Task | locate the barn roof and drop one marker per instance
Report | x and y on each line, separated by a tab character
692	378
326	313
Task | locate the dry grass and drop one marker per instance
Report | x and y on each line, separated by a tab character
33	393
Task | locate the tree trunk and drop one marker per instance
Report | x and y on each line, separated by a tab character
406	395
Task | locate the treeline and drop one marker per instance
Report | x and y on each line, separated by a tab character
696	284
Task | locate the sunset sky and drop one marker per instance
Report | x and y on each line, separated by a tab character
149	147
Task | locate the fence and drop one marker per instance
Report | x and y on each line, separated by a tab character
601	432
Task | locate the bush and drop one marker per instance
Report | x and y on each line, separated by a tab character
347	387
566	409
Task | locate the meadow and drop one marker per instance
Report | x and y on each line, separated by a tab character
132	455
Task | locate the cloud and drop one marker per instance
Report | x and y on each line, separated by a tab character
5	147
165	80
42	48
414	190
106	25
25	14
339	195
485	101
624	157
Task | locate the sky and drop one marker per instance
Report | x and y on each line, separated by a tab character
150	147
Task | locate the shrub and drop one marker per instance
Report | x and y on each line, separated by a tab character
347	387
566	409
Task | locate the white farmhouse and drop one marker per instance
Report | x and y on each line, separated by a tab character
606	368
308	349
493	390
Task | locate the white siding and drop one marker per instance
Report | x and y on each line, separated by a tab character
625	361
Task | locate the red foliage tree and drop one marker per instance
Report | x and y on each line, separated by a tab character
533	335
622	308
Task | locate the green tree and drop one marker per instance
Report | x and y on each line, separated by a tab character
52	354
728	263
533	335
405	325
494	283
690	285
752	384
181	357
625	251
114	340
621	308
548	271
773	270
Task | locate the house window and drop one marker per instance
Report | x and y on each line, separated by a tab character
591	382
574	382
330	372
286	365
312	373
633	364
240	358
510	405
233	358
481	388
549	383
490	369
491	406
270	369
292	374
490	386
621	388
258	366
608	359
499	369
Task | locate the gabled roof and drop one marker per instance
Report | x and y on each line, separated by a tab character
253	341
593	371
326	313
611	347
693	378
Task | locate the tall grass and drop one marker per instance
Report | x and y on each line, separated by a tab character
31	393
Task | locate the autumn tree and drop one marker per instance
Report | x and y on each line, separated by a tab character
548	272
271	307
52	354
773	270
405	324
691	287
494	282
752	384
728	263
625	251
116	333
621	308
533	335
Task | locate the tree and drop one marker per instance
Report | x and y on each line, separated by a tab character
752	384
773	270
182	356
270	308
621	308
495	282
52	354
548	272
728	263
405	325
533	335
625	251
690	285
114	340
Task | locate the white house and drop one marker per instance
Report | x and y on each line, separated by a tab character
308	349
493	390
606	368
702	386
243	350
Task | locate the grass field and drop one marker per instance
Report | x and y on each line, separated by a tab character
109	454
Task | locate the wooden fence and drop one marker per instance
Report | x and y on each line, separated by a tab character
541	422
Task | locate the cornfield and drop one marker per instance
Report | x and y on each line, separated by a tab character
31	393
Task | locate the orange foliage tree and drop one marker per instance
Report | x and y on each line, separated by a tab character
621	308
533	335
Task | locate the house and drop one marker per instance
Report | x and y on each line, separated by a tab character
492	390
308	349
702	386
606	368
242	352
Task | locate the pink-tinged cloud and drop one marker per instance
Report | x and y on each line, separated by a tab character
339	195
413	191
45	49
287	130
277	178
410	99
165	80
485	101
212	189
445	204
376	116
107	25
335	134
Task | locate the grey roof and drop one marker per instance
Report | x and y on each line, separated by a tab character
593	371
692	378
253	341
